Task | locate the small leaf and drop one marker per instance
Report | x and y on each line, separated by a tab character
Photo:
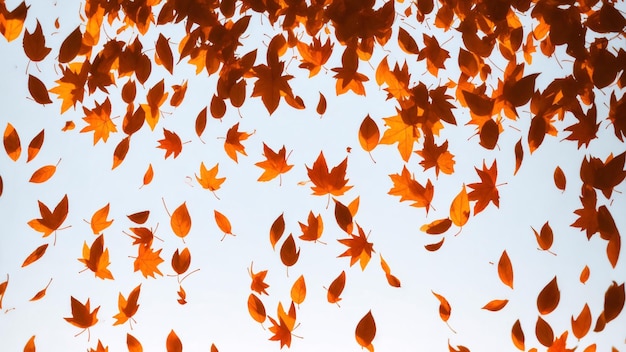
288	254
336	288
30	345
505	270
133	344
35	145
548	298
544	332
99	220
38	90
444	307
256	308
559	178
12	143
517	335
139	217
366	331
321	105
298	290
181	221
437	227
223	223
582	324
277	229
613	301
496	305
148	175
43	174
584	275
460	208
35	255
369	134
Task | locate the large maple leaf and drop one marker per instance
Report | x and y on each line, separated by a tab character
275	165
485	191
82	315
325	182
359	249
271	84
405	186
99	120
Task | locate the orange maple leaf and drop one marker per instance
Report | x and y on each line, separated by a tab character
99	120
314	55
208	178
99	220
333	182
313	229
171	143
82	315
283	325
71	86
358	248
408	188
128	307
485	191
148	261
100	348
50	221
398	131
96	258
436	156
232	145
258	281
275	165
271	84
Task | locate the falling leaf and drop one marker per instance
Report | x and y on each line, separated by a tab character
170	143
3	289
336	288
391	279
548	298
99	121
181	261
582	324
133	344
517	335
519	155
208	178
35	255
444	307
120	152
559	178
223	223
148	261
232	144
359	249
258	284
38	90
298	290
486	191
369	134
181	221
43	174
505	270
148	175
164	54
325	182
12	143
35	145
35	44
405	186
277	229
140	217
437	227
544	237
256	308
584	275
544	332
312	230
275	165
127	306
41	293
96	258
173	343
82	315
50	221
201	122
344	217
285	324
460	208
30	345
496	305
288	253
434	246
366	331
613	301
99	220
321	105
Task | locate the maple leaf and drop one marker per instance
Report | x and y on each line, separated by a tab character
232	144
275	165
99	120
208	178
586	128
96	258
313	229
435	56
50	221
82	315
258	284
398	131
148	261
99	348
485	191
436	156
359	249
408	188
603	175
99	220
588	214
128	307
271	84
171	143
71	86
314	55
283	325
325	182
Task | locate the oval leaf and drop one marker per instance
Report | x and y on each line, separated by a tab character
548	298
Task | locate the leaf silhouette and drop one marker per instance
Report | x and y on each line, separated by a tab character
405	186
485	191
548	298
559	178
208	178
325	182
70	46
336	288
288	253
313	229
96	258
35	145
582	324
277	229
517	335
50	221
359	249
274	165
613	301
173	343
140	217
258	284
127	306
366	331
38	90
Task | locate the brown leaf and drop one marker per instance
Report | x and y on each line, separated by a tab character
505	270
548	298
359	249
201	122
613	301
288	253
437	227
366	331
173	343
181	261
544	237
171	143
517	335
12	143
544	332
133	344
70	46
35	44
313	229
336	288
38	90
325	182
582	324
391	279
277	229
82	315
369	134
584	275
139	217
41	293
496	305
164	54
35	255
50	221
35	145
519	155
232	144
120	152
275	165
559	178
321	105
434	246
444	307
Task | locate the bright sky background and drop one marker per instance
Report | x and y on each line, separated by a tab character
464	270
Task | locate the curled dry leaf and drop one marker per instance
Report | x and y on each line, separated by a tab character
139	217
391	279
41	293
366	331
434	246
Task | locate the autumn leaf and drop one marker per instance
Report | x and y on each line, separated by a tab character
3	289
559	178
460	208
444	308
139	217
232	144
517	335
298	290
50	221
505	269
256	308
148	175
613	301
582	324
127	306
99	348
99	220
35	255
41	293
35	145
181	261
368	134
436	156
258	284
496	305
82	315
170	143
164	54
180	221
148	261
38	90
433	53
548	298
208	178
584	275
359	249
96	258
485	191
391	279
405	186
99	121
544	332
223	223
30	345
321	105
12	143
402	133
274	165
35	44
43	174
336	288
544	237
312	230
325	182
288	253
133	344
277	229
366	331
283	327
437	227
314	55
271	84
173	343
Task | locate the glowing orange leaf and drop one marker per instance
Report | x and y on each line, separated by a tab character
82	315
173	343
35	255
99	220
127	307
223	223
96	258
50	221
325	182
12	143
359	249
232	144
275	165
549	297
181	221
336	288
298	290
